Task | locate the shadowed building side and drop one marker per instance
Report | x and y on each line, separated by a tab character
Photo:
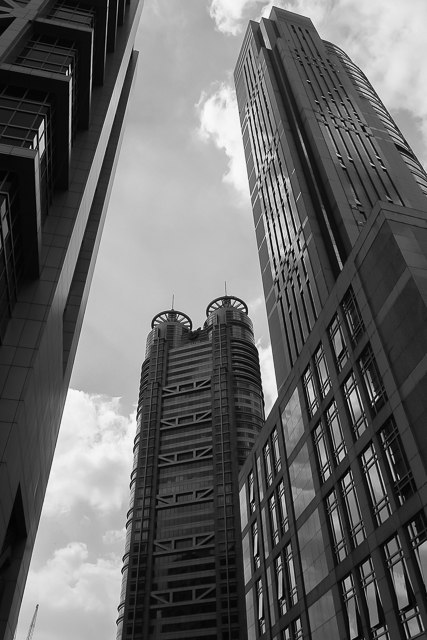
66	71
200	410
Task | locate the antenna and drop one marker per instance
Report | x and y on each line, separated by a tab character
225	287
173	300
33	624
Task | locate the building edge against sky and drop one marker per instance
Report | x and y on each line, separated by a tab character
200	410
66	71
333	496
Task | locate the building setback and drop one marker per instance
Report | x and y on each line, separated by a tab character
66	70
333	495
200	410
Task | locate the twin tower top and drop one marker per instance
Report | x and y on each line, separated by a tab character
219	305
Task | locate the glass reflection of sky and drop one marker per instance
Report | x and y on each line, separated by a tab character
323	622
312	551
301	477
292	423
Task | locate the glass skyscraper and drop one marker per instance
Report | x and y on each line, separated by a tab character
200	411
66	71
333	496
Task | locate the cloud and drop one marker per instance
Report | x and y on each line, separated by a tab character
114	535
386	42
68	581
228	14
267	375
219	123
93	457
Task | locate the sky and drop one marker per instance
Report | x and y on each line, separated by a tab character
179	224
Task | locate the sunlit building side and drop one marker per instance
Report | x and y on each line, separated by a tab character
333	497
66	70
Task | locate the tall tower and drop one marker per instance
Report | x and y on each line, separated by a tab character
333	496
200	410
66	70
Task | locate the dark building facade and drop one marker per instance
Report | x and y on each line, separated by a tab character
333	497
200	410
66	70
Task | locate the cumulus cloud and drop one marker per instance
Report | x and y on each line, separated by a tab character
267	375
386	42
219	123
228	14
114	535
93	457
69	581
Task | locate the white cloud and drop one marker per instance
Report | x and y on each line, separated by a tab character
267	375
228	14
219	123
114	535
386	42
93	456
68	581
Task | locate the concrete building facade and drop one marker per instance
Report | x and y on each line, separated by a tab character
333	497
66	70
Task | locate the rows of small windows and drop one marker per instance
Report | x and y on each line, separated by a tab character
363	182
379	472
359	590
27	120
76	12
11	251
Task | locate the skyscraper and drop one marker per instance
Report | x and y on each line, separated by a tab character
66	70
333	497
200	410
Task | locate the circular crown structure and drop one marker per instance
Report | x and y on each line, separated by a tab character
226	301
171	316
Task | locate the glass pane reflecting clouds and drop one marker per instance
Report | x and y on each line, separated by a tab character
292	424
312	549
301	477
323	621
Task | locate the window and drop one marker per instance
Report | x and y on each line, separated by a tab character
355	406
400	471
293	631
405	597
289	560
73	12
255	544
325	468
276	450
322	371
374	478
353	621
335	431
371	376
338	343
274	521
284	520
301	477
335	520
376	618
310	392
312	551
357	528
260	481
260	601
292	424
418	535
268	464
280	581
251	492
353	316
